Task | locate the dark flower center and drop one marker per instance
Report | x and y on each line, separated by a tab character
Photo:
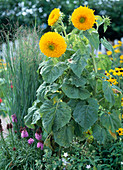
82	19
51	47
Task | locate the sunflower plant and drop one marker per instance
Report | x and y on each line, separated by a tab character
74	98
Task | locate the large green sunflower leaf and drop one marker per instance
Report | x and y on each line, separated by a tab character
50	72
99	133
64	136
93	37
111	121
74	92
108	93
85	115
55	116
107	45
44	89
78	63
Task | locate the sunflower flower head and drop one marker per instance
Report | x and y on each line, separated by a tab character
52	44
83	18
54	16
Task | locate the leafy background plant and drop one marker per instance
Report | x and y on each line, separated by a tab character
31	12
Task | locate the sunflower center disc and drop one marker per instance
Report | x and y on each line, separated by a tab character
82	19
51	47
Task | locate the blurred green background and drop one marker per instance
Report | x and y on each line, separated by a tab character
14	13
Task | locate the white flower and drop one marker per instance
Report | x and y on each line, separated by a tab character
121	163
88	166
65	154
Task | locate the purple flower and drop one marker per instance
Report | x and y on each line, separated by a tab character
38	136
40	145
24	134
14	118
30	141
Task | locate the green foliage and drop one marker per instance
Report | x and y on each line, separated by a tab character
55	116
21	73
93	37
35	12
73	96
108	93
107	45
50	72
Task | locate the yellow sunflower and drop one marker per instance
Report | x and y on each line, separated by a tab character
52	44
53	17
83	18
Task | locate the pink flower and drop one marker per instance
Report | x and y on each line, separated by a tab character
11	86
14	118
1	100
24	134
40	145
30	141
38	136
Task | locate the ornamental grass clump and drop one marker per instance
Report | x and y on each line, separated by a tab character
74	97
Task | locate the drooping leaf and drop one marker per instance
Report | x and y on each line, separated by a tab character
111	121
64	136
50	71
94	103
75	92
44	89
78	63
99	21
36	116
29	116
78	82
93	37
55	116
108	93
107	45
99	133
85	115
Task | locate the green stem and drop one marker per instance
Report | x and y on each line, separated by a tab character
12	137
93	58
119	82
63	27
95	67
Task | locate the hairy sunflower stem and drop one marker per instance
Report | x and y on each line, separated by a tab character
119	82
93	58
63	27
95	67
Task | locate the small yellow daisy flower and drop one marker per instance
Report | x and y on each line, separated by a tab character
117	51
111	71
119	42
121	61
117	45
99	52
111	58
53	17
109	52
52	44
120	131
121	57
83	18
99	69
